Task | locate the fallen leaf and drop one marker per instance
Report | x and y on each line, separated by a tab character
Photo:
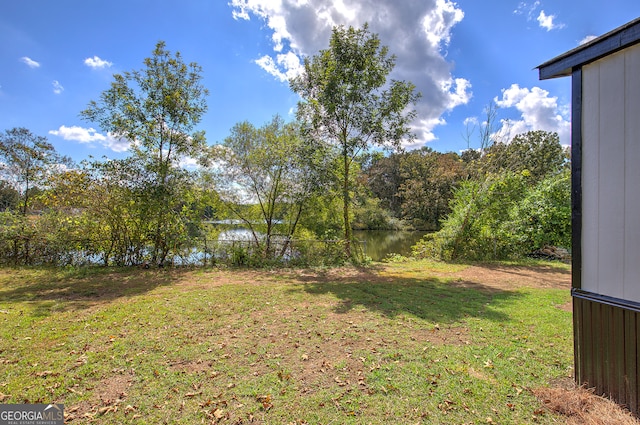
264	398
218	414
104	410
193	394
266	401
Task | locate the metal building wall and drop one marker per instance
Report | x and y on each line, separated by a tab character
606	349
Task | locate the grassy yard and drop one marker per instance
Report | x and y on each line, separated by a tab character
415	342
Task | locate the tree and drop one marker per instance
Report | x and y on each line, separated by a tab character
539	152
474	229
384	177
520	202
428	184
416	186
26	162
543	217
9	197
269	167
347	102
157	110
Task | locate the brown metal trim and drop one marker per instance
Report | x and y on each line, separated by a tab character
607	348
607	300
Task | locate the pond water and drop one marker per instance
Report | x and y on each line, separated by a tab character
380	243
377	243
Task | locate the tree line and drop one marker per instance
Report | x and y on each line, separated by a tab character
313	179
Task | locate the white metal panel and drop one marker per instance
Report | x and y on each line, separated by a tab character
611	177
590	173
632	175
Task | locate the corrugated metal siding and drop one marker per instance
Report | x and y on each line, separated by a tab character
606	350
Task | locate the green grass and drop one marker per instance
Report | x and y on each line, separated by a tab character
389	344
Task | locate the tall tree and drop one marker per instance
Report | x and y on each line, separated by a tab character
26	160
157	110
347	101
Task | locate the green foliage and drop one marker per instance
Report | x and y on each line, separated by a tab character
347	102
537	152
26	161
416	186
9	197
156	109
266	177
371	216
517	200
543	217
323	216
503	217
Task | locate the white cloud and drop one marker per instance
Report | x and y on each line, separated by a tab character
91	136
438	21
418	34
471	121
78	134
459	91
547	21
97	63
285	67
528	9
57	87
30	62
587	39
538	111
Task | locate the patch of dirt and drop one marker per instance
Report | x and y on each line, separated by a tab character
499	277
193	366
109	395
505	277
114	388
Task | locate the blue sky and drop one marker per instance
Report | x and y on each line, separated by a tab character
56	56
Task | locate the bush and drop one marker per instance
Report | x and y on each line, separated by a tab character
503	217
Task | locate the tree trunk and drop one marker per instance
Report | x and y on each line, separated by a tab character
346	199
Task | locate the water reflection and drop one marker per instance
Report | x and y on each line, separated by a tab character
237	234
380	243
377	244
